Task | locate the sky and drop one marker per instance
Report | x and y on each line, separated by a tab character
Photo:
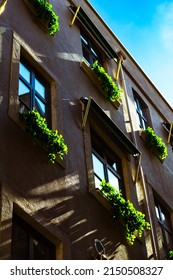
145	28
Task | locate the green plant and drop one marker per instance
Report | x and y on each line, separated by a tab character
155	142
170	255
108	85
134	220
44	12
37	127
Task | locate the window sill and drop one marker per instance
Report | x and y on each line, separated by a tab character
142	134
87	70
101	198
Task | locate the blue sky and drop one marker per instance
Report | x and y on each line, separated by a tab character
145	28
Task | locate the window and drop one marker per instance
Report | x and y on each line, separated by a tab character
107	166
28	244
164	221
32	90
90	52
141	109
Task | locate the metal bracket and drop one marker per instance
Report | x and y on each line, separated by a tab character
75	16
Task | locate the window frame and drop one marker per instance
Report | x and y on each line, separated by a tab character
35	75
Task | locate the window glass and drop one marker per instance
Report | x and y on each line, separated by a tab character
24	72
113	180
141	111
40	88
98	167
106	165
90	51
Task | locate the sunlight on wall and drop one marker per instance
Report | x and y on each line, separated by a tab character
69	56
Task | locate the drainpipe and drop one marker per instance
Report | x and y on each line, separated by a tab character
139	168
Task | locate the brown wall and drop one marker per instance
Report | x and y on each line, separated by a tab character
55	199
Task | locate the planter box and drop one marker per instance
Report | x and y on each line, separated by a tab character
84	66
152	149
44	23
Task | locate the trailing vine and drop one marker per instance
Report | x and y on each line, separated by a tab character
109	87
37	127
155	142
44	12
134	220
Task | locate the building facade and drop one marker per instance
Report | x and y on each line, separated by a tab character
57	210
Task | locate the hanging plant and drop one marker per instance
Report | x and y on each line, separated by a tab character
37	127
109	87
156	144
133	220
43	10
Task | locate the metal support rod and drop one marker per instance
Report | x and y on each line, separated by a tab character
170	132
120	60
2	6
86	113
75	16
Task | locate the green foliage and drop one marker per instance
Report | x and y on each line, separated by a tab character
155	142
44	12
170	255
37	127
108	85
133	219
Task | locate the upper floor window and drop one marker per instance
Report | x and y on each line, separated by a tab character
90	51
141	110
164	221
32	90
107	166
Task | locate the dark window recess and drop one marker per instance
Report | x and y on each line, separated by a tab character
107	166
32	90
163	218
90	51
141	110
28	244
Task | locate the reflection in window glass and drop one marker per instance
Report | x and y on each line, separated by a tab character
24	72
113	180
40	88
98	167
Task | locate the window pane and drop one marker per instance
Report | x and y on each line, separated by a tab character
40	88
98	167
24	93
24	72
40	106
113	180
